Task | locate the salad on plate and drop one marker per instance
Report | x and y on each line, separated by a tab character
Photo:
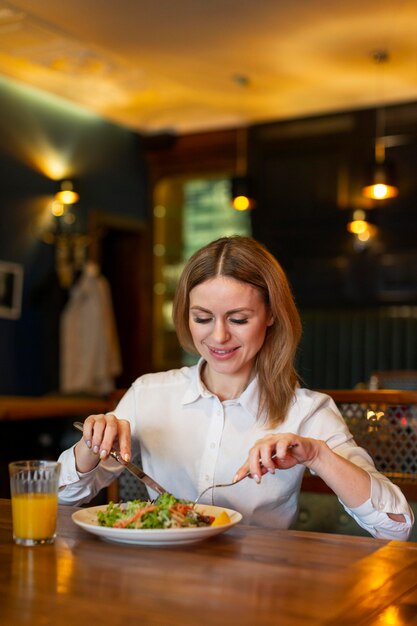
166	511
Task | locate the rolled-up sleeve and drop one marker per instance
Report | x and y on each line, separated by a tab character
76	488
385	497
326	422
379	525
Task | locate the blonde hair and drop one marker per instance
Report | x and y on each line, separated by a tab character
245	259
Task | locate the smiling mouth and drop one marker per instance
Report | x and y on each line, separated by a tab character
222	352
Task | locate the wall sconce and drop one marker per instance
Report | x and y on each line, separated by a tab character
66	193
64	198
242	197
61	207
381	181
71	246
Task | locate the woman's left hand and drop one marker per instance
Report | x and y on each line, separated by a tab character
350	483
279	452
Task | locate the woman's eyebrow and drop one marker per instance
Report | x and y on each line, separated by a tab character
240	310
199	308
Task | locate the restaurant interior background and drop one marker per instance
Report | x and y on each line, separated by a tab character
148	198
358	300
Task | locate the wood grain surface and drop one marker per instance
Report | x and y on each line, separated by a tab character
246	576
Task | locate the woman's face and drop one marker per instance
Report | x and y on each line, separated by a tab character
228	322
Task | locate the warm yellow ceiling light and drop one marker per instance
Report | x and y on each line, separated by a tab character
241	198
57	208
357	227
361	228
382	185
66	194
241	203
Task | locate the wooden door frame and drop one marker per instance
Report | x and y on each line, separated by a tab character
100	223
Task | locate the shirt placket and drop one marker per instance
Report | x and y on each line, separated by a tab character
211	450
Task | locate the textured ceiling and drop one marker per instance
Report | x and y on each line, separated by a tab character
191	65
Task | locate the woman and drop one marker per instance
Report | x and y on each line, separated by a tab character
239	409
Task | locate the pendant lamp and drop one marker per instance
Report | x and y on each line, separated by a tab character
382	184
242	196
241	193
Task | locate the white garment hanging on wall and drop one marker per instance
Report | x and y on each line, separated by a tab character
90	351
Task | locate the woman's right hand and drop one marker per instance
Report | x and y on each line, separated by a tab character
101	433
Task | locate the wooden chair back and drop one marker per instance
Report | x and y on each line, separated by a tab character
396	379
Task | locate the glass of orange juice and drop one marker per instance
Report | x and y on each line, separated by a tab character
34	490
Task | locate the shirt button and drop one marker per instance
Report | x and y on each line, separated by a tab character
212	445
381	506
207	477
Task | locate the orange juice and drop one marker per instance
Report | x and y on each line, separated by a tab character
34	515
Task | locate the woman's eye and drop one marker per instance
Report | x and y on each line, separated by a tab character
202	320
207	320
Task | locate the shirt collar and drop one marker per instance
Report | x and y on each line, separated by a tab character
249	399
195	389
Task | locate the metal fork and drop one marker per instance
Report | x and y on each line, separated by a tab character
236	481
220	485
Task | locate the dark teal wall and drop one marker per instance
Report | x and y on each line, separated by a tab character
106	163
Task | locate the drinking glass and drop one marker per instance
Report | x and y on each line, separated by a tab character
34	490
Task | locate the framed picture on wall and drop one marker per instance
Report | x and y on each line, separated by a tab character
11	283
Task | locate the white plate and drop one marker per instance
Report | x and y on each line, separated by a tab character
87	519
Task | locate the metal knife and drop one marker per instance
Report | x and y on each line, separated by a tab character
131	467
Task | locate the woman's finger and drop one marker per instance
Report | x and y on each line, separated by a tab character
124	439
254	460
266	454
109	435
94	427
101	434
241	472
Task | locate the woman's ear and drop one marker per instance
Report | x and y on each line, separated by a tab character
271	320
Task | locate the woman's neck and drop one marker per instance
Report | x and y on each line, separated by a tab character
223	386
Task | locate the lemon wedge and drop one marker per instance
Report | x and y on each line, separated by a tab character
221	519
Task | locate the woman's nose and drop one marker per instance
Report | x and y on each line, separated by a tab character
220	332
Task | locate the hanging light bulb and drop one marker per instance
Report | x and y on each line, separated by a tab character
363	230
382	178
382	181
242	198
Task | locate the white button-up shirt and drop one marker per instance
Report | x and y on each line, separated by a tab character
190	440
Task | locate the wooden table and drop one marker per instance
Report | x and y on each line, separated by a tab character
247	576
